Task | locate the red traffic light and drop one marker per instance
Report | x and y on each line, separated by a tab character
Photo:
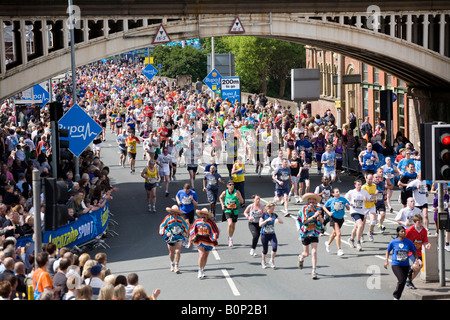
445	139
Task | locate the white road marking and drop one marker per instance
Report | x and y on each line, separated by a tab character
231	283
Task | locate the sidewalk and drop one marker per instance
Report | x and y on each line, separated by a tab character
429	290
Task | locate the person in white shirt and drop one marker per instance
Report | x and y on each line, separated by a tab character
405	215
420	194
357	197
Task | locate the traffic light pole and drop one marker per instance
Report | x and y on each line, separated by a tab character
441	239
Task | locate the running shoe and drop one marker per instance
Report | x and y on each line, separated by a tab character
252	252
351	242
176	269
272	264
340	252
358	246
154	208
300	263
410	285
263	264
314	274
230	242
167	193
149	207
172	267
327	246
370	234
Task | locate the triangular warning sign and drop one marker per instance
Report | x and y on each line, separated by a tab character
237	26
161	36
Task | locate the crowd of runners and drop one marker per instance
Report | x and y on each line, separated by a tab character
172	128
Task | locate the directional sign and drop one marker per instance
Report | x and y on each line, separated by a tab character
231	88
237	27
212	80
161	36
82	129
149	71
39	94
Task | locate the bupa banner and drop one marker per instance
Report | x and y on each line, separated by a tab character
87	227
231	89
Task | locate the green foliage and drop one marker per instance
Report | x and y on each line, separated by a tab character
264	65
180	61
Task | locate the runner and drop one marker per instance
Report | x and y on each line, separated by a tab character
419	236
310	224
400	248
282	177
324	191
357	197
131	142
122	145
230	200
420	194
319	149
367	159
304	176
211	187
390	172
328	161
295	164
204	233
238	173
369	204
253	213
151	175
337	205
405	216
187	200
165	163
408	176
174	230
267	223
380	202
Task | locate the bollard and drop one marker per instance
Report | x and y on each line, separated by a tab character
430	269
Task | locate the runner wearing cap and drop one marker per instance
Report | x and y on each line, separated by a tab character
174	230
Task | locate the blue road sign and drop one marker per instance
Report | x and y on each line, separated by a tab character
231	89
82	129
149	71
212	80
41	94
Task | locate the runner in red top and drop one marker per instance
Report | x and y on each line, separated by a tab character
419	236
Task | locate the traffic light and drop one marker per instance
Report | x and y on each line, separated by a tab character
55	197
441	152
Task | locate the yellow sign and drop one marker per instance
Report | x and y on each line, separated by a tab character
337	103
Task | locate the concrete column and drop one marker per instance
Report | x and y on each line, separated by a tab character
23	41
2	49
425	30
442	34
44	31
430	269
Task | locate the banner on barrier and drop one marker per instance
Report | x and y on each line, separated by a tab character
87	227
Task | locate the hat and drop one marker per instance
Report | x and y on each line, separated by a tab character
95	270
310	195
174	210
204	213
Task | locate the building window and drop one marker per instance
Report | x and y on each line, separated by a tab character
376	76
376	103
365	75
365	93
388	81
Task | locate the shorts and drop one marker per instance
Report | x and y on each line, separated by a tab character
302	179
163	172
372	210
358	216
381	208
281	192
228	214
308	240
212	195
192	168
318	157
294	179
149	186
123	152
189	216
131	155
330	173
97	147
205	247
404	195
422	206
339	221
339	165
